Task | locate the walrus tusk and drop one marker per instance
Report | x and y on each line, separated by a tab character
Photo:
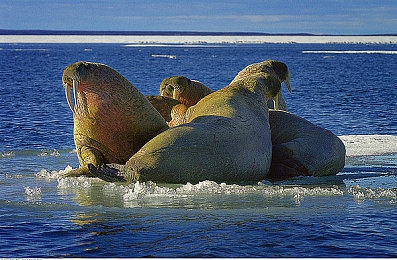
276	101
68	97
75	89
162	92
286	82
175	94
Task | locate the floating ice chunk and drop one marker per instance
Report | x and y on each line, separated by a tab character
360	193
74	182
49	153
7	154
164	56
359	145
53	174
140	190
33	194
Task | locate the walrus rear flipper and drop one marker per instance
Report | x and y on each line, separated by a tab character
284	166
107	173
286	169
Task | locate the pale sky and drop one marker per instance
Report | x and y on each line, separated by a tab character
267	16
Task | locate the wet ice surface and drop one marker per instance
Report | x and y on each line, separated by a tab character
369	174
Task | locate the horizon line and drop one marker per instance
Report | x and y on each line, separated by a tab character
166	33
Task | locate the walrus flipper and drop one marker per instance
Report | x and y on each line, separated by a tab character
106	172
284	165
81	171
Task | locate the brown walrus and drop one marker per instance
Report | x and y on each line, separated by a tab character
183	89
190	92
226	139
112	119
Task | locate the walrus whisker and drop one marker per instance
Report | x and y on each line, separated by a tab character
68	98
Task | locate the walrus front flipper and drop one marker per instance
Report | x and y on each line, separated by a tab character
106	173
82	171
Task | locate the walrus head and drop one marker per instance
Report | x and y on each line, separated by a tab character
275	68
71	78
89	73
173	86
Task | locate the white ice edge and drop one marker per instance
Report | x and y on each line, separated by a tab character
139	39
360	145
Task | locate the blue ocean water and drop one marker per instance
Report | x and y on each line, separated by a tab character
349	89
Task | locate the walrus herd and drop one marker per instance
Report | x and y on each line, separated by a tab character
190	133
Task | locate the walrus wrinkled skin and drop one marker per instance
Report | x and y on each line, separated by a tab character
226	139
302	148
163	105
112	119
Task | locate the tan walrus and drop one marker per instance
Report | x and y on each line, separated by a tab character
112	119
299	147
276	69
226	139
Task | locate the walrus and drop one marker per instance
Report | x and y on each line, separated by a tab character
296	142
301	148
163	105
188	92
226	139
183	89
112	119
276	69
